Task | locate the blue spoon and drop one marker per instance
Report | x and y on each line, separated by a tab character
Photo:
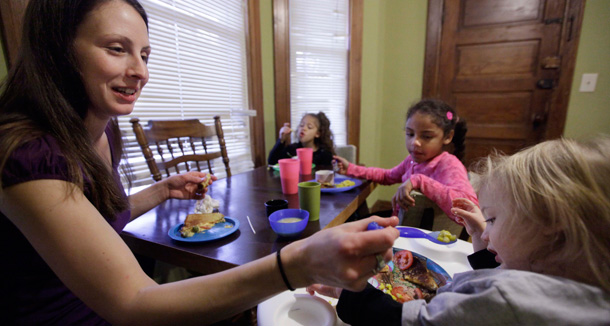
407	232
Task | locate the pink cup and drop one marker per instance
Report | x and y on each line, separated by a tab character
305	155
289	175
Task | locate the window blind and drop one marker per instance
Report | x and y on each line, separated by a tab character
319	44
198	69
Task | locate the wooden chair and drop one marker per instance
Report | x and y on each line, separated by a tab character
180	143
427	215
347	151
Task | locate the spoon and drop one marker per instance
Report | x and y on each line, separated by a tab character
407	232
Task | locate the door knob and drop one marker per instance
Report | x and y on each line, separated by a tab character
538	119
545	83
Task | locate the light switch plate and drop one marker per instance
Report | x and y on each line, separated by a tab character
588	82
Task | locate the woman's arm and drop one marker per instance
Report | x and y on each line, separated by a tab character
179	186
93	261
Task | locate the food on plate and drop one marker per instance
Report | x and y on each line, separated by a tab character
326	178
408	279
205	182
196	223
345	183
446	236
419	274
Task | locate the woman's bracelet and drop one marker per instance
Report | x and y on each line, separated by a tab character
279	263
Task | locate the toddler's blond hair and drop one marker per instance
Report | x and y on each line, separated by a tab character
560	192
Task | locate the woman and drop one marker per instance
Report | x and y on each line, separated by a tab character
82	63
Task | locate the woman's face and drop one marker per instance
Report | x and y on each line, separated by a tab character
112	50
507	245
424	138
308	129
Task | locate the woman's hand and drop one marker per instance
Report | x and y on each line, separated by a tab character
343	256
328	291
342	163
187	185
285	133
470	215
402	198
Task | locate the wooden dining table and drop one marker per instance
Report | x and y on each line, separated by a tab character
239	196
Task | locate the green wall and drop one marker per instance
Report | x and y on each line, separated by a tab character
589	113
266	9
3	63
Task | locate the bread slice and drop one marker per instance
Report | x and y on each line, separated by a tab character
196	223
419	274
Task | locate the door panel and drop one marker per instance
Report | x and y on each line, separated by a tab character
486	59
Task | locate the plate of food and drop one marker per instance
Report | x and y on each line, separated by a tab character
276	167
410	276
342	184
204	227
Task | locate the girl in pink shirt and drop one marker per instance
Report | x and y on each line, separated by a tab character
431	125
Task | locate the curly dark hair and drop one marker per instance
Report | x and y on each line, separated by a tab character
438	111
325	141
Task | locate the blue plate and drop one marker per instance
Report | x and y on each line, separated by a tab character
440	275
218	231
339	179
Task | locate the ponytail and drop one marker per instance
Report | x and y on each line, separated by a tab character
325	141
459	137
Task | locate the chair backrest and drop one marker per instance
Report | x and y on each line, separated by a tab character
427	215
180	144
347	151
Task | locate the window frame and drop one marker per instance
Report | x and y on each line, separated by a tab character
281	37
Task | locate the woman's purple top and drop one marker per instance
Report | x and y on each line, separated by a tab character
30	292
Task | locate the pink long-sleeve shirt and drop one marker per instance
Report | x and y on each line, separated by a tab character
441	179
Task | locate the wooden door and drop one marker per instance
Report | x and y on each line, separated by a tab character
505	65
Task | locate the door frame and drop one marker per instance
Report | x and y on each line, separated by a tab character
570	35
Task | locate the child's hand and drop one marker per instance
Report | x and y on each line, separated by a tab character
342	164
285	133
402	197
470	215
329	291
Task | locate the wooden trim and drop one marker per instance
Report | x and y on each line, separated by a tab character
11	21
570	36
354	94
281	49
365	191
433	43
255	83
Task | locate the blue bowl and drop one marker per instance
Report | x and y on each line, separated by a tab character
290	229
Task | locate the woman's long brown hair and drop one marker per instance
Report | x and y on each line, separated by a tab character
44	95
